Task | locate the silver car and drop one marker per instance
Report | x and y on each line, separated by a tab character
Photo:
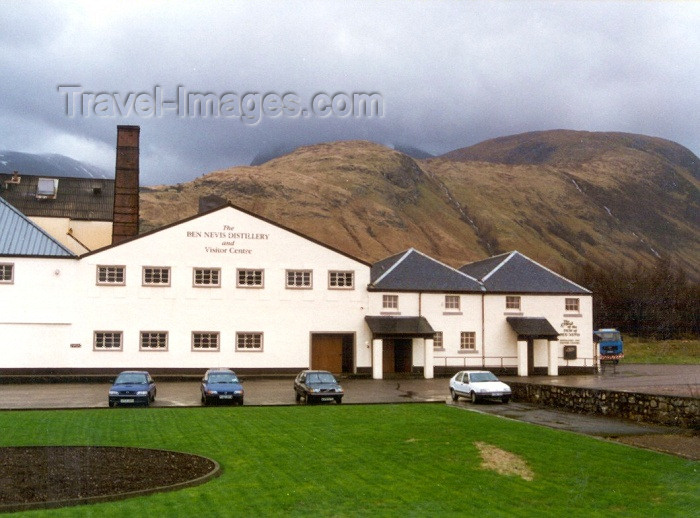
478	385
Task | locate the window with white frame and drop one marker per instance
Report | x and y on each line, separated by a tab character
390	302
249	341
250	278
341	280
467	341
299	279
452	302
7	273
108	341
513	302
206	277
156	276
572	305
154	341
111	275
437	340
205	341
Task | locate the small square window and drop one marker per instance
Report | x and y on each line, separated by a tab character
249	341
207	277
156	276
341	280
111	275
7	273
154	341
390	302
250	278
437	340
108	341
467	341
513	302
299	279
452	302
572	305
205	341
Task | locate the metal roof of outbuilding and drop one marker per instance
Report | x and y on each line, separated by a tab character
21	237
76	198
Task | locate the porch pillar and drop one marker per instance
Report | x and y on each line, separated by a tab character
522	357
428	353
377	358
552	357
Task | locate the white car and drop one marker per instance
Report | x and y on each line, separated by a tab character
478	385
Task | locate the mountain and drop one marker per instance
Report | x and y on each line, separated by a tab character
560	197
48	165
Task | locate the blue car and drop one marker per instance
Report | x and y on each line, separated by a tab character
221	385
132	388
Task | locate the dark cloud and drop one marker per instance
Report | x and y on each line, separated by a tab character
450	73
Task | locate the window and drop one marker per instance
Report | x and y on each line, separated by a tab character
341	280
205	341
299	278
571	305
7	273
207	277
110	275
512	302
154	341
467	341
437	340
452	302
156	276
250	278
108	341
249	341
390	302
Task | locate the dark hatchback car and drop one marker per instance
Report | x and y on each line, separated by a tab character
221	385
132	388
316	386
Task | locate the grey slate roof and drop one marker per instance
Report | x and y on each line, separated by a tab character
515	273
415	271
399	326
532	327
76	198
21	237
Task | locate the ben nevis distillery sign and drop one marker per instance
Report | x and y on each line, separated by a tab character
228	240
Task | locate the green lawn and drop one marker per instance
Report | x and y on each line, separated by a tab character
374	460
663	351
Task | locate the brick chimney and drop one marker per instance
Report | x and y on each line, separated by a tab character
125	218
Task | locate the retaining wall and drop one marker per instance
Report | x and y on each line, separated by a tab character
648	408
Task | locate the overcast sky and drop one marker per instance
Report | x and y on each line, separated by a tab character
447	75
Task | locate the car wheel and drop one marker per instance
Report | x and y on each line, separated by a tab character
148	401
153	397
339	400
111	404
454	395
473	397
240	402
505	399
205	401
297	396
309	400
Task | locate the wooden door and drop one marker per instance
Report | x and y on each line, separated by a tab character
327	352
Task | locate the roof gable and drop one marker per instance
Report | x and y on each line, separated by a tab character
21	237
516	273
415	271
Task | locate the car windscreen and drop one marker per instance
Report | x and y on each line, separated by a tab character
483	376
131	378
223	378
320	377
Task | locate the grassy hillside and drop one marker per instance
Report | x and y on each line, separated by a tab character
561	197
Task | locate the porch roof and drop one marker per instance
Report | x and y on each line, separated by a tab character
533	327
387	326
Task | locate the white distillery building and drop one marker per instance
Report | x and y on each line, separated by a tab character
228	288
